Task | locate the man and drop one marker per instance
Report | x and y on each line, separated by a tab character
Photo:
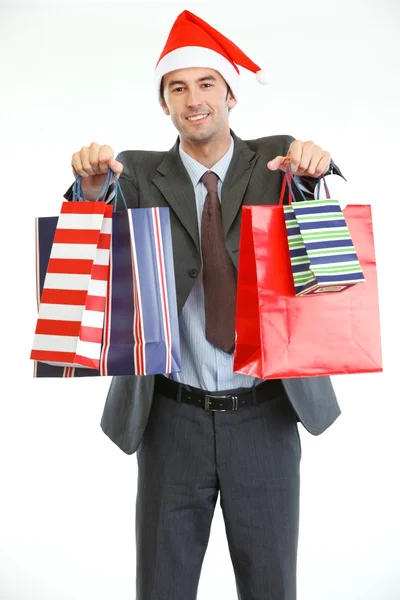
206	429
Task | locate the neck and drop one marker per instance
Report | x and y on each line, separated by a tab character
208	152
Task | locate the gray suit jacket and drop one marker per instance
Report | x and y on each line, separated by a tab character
160	179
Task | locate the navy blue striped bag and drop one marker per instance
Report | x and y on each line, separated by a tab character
322	254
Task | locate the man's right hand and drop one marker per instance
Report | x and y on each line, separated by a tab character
92	164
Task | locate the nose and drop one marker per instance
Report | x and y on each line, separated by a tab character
193	97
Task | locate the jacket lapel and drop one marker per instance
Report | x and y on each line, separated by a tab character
236	181
174	183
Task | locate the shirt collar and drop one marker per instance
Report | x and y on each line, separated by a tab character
196	170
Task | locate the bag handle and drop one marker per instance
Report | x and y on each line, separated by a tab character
290	178
77	192
319	187
118	188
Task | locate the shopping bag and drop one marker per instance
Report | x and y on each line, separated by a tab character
141	329
322	253
45	231
70	320
279	334
141	332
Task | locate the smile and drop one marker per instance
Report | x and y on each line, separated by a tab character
197	118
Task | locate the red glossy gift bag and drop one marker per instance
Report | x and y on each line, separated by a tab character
281	335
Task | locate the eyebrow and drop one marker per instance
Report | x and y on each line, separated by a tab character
207	77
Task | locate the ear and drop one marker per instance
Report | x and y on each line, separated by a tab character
231	101
164	107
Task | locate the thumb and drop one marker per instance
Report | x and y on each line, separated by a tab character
276	163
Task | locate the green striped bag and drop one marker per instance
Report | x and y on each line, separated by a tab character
322	254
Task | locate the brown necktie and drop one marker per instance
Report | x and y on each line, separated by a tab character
219	276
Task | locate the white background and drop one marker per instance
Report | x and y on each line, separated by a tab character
75	74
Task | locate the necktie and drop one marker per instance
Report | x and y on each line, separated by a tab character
219	277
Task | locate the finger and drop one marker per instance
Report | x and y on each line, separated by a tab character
323	164
276	162
106	158
87	170
117	167
309	149
295	151
77	163
94	150
314	162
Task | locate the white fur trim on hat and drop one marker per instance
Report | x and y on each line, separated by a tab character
262	77
197	56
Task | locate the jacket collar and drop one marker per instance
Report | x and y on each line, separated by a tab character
174	183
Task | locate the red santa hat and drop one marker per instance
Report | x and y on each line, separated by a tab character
194	43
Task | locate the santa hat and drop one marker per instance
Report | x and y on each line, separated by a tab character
194	43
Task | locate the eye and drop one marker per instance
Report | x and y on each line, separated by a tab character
177	89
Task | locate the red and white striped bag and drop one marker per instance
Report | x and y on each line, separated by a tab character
69	328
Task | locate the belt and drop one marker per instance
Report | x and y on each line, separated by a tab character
218	401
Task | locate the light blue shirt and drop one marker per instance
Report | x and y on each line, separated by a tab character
203	364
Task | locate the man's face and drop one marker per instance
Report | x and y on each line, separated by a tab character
197	92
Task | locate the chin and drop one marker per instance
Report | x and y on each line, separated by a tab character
199	136
202	137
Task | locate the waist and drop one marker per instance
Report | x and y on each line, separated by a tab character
220	400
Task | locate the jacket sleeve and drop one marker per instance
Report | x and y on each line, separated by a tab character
127	181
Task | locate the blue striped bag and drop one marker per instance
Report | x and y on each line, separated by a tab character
322	254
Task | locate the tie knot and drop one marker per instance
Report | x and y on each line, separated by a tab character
210	180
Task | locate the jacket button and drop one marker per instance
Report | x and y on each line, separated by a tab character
193	273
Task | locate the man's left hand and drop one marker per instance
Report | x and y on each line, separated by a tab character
306	159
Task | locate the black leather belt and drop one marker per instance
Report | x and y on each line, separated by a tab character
218	401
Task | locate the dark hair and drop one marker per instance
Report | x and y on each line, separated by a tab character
162	91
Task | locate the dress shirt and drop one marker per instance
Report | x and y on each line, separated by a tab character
203	364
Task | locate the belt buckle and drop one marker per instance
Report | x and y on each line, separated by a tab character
209	396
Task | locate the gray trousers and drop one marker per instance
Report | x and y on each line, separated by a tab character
186	456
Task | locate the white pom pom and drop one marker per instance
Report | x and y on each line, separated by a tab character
262	77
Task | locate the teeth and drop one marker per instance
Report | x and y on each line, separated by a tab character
198	117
